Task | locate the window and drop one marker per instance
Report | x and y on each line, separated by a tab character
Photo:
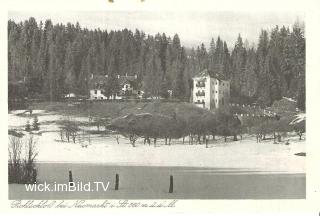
202	100
216	92
200	84
223	84
95	91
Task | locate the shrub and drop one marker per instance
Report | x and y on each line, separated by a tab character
21	164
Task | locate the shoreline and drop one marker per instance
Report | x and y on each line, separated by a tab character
225	170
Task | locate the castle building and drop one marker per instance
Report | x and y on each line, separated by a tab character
210	90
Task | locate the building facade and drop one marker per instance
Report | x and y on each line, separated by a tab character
210	91
127	87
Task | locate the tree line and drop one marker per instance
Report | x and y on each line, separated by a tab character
55	59
200	125
183	120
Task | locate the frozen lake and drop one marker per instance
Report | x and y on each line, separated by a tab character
149	182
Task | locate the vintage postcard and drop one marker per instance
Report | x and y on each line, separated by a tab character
153	108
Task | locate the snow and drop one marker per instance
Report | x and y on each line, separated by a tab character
18	121
298	118
290	99
243	154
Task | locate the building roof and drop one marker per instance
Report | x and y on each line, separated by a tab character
211	74
126	79
99	80
96	81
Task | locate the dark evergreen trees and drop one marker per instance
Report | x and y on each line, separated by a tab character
54	59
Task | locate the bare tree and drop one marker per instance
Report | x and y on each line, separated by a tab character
117	138
21	164
14	163
133	138
70	129
30	171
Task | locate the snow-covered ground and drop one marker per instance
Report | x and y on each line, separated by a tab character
244	154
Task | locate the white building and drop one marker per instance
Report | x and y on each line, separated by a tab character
210	90
126	83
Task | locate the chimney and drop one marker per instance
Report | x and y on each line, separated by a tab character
135	76
126	74
106	76
91	75
118	76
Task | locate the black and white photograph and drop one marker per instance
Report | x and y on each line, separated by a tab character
172	105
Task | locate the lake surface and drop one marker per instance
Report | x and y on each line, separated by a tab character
146	182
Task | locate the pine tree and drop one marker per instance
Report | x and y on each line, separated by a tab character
226	61
55	92
35	123
164	89
238	67
152	80
179	84
218	56
251	74
212	50
28	127
274	61
69	71
113	82
263	69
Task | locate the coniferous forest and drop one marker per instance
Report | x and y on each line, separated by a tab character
55	59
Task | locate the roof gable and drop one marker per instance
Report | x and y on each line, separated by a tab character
126	79
98	81
211	74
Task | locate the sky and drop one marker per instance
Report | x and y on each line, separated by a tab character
193	28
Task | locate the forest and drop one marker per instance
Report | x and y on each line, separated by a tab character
55	59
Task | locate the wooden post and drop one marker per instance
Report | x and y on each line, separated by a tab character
171	184
70	178
117	182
